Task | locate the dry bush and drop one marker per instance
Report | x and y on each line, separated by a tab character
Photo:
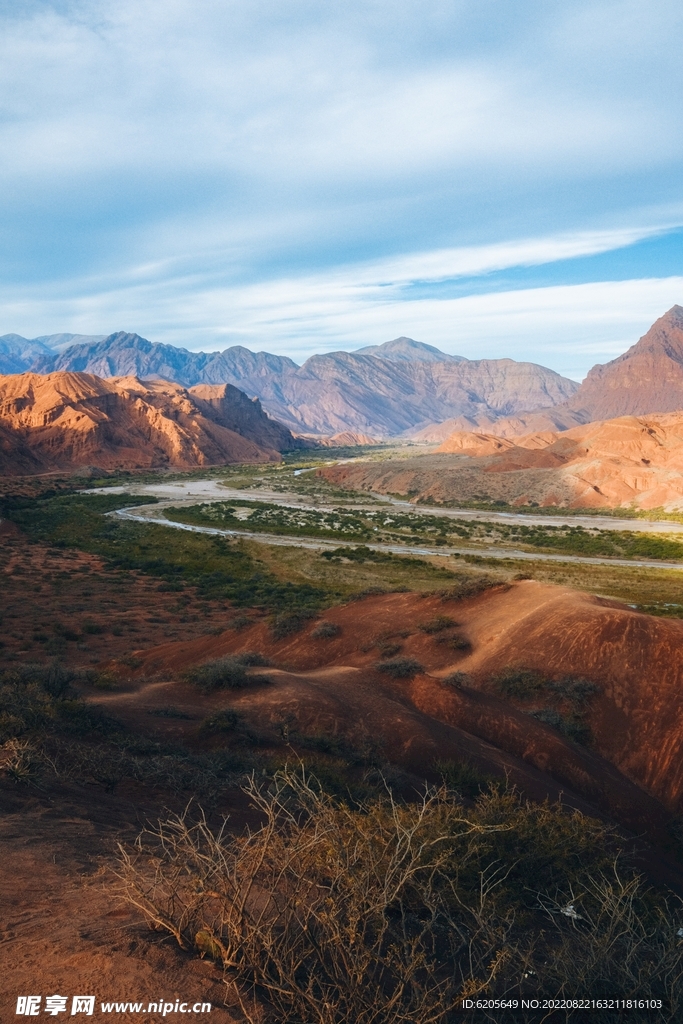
287	623
389	914
325	630
329	914
437	624
400	668
229	672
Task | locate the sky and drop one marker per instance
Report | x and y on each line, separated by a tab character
499	178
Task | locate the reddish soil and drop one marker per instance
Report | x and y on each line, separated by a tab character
334	685
62	929
606	464
64	603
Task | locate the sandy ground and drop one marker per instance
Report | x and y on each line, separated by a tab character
63	930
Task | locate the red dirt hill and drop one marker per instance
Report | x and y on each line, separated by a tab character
334	686
621	462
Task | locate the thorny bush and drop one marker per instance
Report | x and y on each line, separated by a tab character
388	913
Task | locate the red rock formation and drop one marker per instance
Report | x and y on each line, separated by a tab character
621	462
65	420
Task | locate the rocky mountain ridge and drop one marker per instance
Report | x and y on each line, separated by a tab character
383	391
62	421
401	388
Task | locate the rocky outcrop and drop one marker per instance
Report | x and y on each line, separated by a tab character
62	421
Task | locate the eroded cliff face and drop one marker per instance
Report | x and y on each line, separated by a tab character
66	420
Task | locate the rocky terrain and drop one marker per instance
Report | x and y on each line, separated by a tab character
627	461
381	391
647	378
402	387
334	685
68	420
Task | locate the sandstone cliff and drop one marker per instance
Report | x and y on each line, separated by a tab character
65	420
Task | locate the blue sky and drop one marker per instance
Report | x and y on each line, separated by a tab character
497	178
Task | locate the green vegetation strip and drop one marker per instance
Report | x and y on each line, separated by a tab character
218	569
389	526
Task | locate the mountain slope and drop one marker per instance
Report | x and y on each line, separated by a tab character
627	461
406	350
389	390
17	353
121	354
647	378
65	420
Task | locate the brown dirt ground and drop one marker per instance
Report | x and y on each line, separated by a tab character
62	930
44	588
636	659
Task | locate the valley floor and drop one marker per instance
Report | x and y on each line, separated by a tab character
368	668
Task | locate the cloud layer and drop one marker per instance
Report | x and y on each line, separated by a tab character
301	176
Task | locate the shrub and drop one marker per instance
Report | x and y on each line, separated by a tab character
325	630
226	720
92	628
577	691
548	716
290	622
457	642
401	668
523	683
463	777
388	649
333	913
438	624
383	912
457	679
223	673
252	658
168	712
470	586
65	632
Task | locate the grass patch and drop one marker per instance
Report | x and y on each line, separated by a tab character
325	631
288	623
464	779
437	624
567	700
218	569
521	683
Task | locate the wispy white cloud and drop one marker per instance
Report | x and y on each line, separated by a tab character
282	173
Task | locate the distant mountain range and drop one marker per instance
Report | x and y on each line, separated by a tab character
383	391
401	388
648	378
